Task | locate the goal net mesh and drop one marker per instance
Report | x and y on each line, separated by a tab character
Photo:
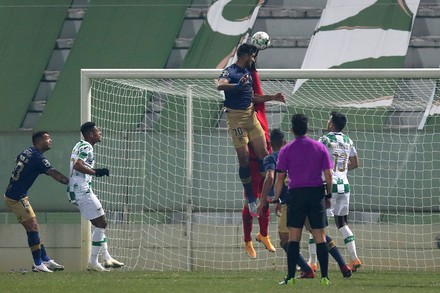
174	199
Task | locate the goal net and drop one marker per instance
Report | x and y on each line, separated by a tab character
174	199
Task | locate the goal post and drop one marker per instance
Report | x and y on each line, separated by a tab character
174	199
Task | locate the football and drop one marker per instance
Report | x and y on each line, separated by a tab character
261	40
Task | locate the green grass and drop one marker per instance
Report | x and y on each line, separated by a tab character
216	281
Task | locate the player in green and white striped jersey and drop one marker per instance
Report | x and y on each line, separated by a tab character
345	158
80	193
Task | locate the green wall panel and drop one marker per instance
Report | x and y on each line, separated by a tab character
114	34
28	33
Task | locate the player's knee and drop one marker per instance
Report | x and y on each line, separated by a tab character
341	221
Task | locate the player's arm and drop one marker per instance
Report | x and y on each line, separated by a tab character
328	179
266	98
267	185
224	85
57	176
279	184
82	168
353	162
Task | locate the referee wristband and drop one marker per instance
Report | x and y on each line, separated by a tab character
276	201
328	195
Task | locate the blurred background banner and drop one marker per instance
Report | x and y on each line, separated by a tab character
361	34
226	24
114	34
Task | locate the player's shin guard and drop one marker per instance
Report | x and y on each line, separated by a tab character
292	258
322	253
312	250
334	251
247	224
263	220
246	180
104	250
347	234
35	246
44	256
97	240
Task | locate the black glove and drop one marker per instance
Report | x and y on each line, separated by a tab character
101	172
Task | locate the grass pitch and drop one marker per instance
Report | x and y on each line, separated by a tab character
216	281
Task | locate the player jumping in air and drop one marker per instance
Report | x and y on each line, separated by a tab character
246	131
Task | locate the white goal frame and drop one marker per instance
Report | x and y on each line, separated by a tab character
88	74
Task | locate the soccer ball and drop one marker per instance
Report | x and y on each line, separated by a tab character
261	40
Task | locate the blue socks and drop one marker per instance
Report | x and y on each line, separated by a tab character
246	180
35	246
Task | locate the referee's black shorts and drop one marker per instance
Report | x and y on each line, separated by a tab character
306	202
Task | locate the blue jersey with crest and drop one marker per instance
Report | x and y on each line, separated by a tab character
270	163
238	98
30	164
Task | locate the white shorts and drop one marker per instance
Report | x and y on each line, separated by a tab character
86	201
340	203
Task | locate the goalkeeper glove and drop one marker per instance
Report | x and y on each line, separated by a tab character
101	172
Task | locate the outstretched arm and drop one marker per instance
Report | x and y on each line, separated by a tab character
267	185
58	176
266	98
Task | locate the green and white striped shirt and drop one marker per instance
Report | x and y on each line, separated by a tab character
340	148
83	150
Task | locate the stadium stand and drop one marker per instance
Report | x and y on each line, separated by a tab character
25	50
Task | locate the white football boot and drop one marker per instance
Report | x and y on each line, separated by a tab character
113	263
98	268
40	268
52	265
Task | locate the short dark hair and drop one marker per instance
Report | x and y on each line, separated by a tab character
276	138
87	127
37	136
338	120
299	124
245	48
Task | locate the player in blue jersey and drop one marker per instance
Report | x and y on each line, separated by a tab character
29	165
244	127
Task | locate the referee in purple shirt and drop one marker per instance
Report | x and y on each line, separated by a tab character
304	160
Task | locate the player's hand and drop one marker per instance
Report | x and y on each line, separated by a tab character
243	81
259	207
101	172
279	97
328	203
277	207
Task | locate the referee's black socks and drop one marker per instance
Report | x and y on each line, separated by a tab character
322	253
292	258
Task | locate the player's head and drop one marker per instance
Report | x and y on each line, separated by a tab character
41	140
336	122
246	53
300	124
277	139
91	132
